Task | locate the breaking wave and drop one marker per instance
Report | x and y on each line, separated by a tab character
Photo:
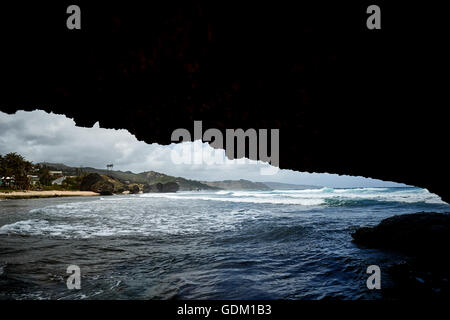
184	213
279	244
312	197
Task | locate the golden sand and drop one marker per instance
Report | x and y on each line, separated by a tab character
45	194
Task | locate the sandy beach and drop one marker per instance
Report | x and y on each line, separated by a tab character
45	194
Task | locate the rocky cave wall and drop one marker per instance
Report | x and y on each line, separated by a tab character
347	100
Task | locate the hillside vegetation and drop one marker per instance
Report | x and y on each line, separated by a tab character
128	177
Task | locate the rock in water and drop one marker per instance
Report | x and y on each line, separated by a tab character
161	187
96	183
418	233
424	238
157	187
146	188
170	187
134	189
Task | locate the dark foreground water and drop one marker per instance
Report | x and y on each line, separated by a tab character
200	245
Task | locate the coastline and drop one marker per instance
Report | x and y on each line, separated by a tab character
45	194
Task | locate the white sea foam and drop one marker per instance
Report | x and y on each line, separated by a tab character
154	214
223	192
309	197
103	218
256	199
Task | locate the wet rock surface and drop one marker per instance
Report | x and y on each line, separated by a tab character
161	187
97	183
134	189
424	238
418	233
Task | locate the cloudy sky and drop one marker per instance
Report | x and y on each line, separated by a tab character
44	137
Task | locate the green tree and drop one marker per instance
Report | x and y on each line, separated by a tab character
2	166
14	165
72	183
2	169
45	177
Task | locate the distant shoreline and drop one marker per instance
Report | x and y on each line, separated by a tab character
45	194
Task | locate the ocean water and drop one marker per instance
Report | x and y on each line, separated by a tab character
282	244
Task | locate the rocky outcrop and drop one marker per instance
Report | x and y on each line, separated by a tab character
122	189
106	185
97	183
418	233
161	187
103	184
149	188
425	267
170	187
134	189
